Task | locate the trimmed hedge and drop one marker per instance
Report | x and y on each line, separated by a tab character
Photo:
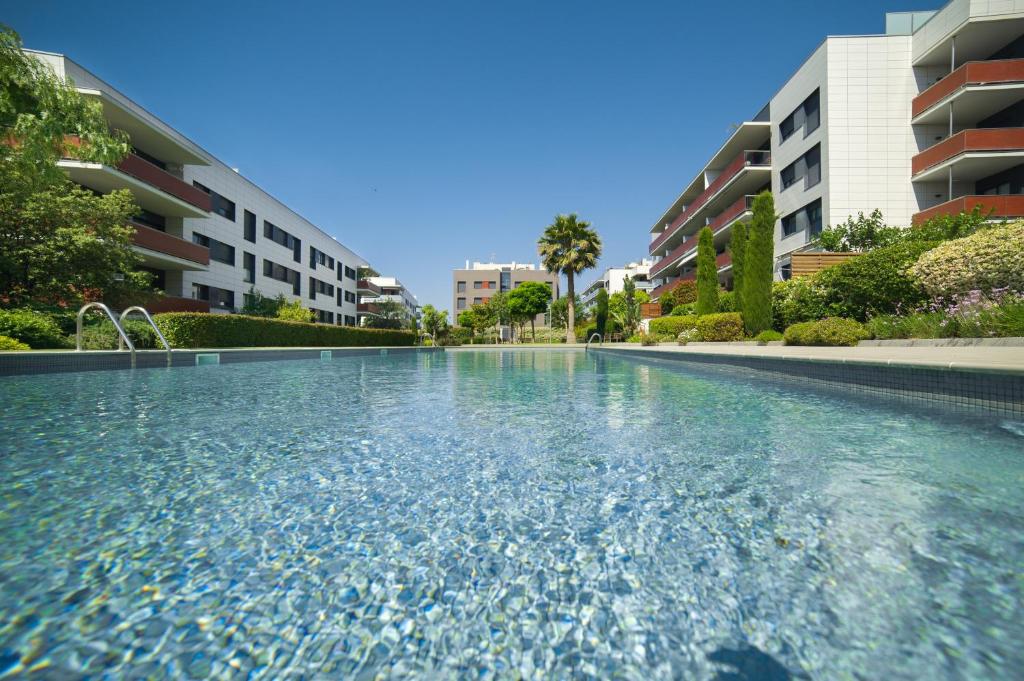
672	325
720	327
684	309
769	336
103	336
200	330
830	331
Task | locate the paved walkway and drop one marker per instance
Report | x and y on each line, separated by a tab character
976	357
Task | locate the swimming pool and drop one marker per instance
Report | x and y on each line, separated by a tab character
540	513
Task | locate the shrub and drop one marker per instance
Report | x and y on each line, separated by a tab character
8	344
829	331
768	336
1010	319
727	301
103	336
797	300
986	260
873	283
685	309
685	292
35	329
672	325
199	330
720	327
294	312
688	336
649	339
461	334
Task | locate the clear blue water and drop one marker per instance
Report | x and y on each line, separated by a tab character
534	513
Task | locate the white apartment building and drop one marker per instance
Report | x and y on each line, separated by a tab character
374	289
207	233
613	278
923	120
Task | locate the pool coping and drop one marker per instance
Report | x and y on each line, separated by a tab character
67	361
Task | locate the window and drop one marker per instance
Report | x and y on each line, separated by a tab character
152	159
478	284
278	235
316	286
478	301
281	273
786	271
219	251
322	316
806	168
249	265
506	281
350	273
217	297
350	320
807	218
250	227
460	304
806	116
220	205
460	287
145	217
317	257
350	297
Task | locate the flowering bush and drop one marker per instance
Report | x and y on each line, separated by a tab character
986	260
970	315
688	336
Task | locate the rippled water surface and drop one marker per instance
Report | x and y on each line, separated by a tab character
485	514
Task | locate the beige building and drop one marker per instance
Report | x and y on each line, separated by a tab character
474	285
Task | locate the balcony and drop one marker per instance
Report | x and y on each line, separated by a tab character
367	288
723	261
152	187
719	225
973	154
746	160
167	252
367	308
979	89
999	206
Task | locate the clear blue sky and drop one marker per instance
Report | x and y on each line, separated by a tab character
425	133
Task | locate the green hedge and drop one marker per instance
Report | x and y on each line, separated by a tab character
830	331
8	344
199	330
672	325
35	329
720	327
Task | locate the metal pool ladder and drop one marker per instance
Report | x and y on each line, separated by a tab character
123	339
592	337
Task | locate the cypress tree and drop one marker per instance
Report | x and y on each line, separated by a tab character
738	246
707	274
601	317
758	262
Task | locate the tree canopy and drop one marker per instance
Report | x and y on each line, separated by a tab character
568	246
528	300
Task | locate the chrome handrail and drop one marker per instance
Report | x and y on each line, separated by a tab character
117	325
145	313
592	337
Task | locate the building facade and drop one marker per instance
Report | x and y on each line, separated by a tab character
613	278
924	120
373	289
207	234
475	284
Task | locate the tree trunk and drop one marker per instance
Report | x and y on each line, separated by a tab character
570	334
533	330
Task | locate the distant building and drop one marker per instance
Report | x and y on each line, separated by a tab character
372	290
613	278
475	285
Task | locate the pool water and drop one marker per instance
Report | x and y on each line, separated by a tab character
499	514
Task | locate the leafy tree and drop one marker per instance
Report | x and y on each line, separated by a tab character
390	315
947	227
258	305
617	301
467	319
479	318
758	266
628	313
294	312
435	322
569	246
707	274
59	244
559	311
667	300
364	271
498	305
601	316
861	234
528	300
738	247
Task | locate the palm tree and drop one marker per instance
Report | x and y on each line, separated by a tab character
568	246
